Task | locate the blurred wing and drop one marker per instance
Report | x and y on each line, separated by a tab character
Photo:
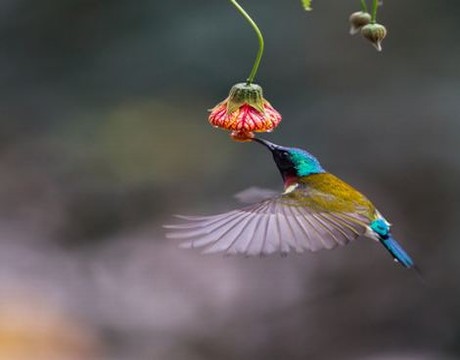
255	194
268	227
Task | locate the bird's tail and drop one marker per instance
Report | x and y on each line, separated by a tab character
398	253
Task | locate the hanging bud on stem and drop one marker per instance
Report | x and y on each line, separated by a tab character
375	33
358	20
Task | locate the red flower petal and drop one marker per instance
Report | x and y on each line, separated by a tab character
245	118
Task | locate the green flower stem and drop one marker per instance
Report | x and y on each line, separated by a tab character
364	6
375	5
255	67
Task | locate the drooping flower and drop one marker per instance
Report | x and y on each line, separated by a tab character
375	33
358	20
244	112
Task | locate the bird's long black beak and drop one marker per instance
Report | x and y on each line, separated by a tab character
266	143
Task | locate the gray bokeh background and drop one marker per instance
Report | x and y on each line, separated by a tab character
104	135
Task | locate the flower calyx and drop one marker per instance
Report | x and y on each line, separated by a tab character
244	93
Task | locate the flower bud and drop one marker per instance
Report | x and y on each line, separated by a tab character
358	20
375	33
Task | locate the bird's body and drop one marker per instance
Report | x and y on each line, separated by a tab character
317	210
326	191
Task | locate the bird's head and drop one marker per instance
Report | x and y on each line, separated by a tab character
292	162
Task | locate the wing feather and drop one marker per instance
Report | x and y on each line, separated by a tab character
208	237
295	230
273	225
255	238
318	241
205	227
243	243
333	240
229	237
307	240
348	230
263	241
195	222
285	241
341	235
271	243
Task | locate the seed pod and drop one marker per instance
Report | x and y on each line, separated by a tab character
358	20
375	33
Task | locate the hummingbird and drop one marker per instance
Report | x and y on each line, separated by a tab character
316	210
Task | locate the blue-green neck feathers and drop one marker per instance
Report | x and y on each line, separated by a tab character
304	163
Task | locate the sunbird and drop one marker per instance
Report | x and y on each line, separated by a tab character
317	210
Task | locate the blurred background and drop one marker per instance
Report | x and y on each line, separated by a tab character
104	135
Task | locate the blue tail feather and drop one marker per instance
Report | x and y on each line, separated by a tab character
397	252
381	228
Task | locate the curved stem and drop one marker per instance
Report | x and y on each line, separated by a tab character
364	6
375	5
255	67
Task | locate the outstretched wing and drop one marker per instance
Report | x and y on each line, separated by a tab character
270	226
